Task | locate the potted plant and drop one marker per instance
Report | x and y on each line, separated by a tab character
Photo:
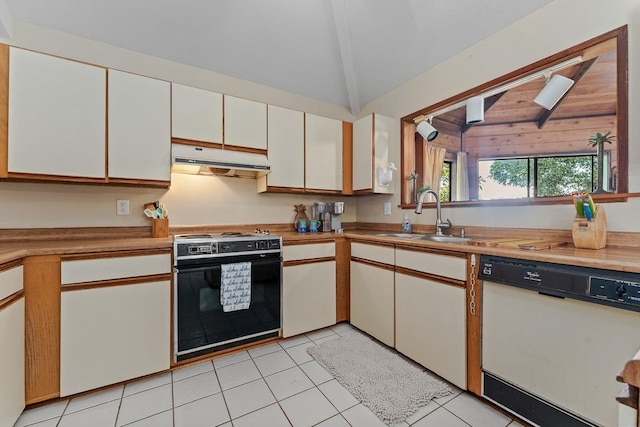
414	190
598	141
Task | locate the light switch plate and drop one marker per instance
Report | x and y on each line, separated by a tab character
387	208
122	207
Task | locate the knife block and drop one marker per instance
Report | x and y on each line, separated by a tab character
160	227
590	234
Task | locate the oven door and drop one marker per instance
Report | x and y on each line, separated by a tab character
201	325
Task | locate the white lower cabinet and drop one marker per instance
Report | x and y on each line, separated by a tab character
11	362
431	326
308	297
372	310
111	334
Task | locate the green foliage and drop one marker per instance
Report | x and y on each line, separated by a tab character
557	176
444	192
599	138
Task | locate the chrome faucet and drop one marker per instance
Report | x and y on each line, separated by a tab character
439	224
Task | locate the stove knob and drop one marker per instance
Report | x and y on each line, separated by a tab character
262	244
621	291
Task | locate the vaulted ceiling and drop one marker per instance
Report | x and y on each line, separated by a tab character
346	52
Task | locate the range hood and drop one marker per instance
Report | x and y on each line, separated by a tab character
213	161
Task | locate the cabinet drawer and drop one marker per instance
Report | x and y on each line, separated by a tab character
10	281
319	250
91	270
440	265
375	253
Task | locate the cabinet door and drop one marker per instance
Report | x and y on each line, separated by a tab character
139	127
12	362
245	123
382	131
286	148
196	114
113	333
308	297
363	153
323	153
431	326
431	263
372	307
57	116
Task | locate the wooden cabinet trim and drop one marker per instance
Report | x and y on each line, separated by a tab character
245	149
474	328
373	243
196	143
347	158
434	277
310	242
8	301
343	279
374	263
114	254
307	261
116	282
46	177
140	182
9	265
42	327
432	251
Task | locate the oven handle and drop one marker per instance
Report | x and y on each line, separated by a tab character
218	264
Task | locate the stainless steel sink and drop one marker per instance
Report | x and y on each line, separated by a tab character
401	235
444	238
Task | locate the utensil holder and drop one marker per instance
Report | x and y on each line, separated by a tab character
590	234
160	227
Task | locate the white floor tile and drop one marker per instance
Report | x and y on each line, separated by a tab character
422	412
361	416
248	397
337	421
231	359
194	388
294	341
441	418
338	395
321	333
93	399
53	422
147	383
316	372
237	374
341	327
325	339
42	413
299	352
308	408
207	412
96	416
192	370
274	362
288	382
271	416
264	349
346	332
476	413
455	392
144	404
163	419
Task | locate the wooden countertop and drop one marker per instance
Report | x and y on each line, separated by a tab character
612	257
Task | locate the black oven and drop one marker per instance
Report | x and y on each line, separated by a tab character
202	324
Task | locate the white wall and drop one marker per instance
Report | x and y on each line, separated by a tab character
191	200
553	28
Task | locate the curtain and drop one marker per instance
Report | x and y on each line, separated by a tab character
462	177
433	160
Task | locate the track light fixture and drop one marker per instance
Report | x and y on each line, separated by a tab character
425	128
475	110
554	89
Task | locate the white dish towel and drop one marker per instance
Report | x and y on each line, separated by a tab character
235	286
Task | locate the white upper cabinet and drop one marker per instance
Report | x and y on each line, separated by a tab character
245	123
371	140
286	148
196	114
57	116
323	154
139	127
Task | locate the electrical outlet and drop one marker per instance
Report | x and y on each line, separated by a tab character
387	208
122	207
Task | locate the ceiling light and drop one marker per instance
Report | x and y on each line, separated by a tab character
475	110
425	128
554	89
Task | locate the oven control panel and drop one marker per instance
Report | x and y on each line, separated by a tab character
212	248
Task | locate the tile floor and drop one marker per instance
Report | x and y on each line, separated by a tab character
277	385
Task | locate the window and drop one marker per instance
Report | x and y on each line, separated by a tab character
445	182
538	176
